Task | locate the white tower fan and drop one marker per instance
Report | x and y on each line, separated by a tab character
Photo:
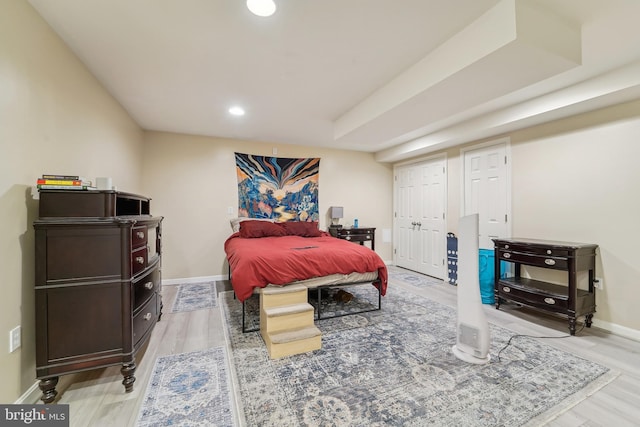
472	328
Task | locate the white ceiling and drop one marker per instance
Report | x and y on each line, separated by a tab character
395	77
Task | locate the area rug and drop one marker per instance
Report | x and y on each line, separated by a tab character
410	277
195	296
189	389
395	367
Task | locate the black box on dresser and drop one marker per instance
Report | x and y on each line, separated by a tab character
98	282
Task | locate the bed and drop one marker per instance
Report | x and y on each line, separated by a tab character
263	254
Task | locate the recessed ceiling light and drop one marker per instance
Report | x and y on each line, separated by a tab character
261	7
236	111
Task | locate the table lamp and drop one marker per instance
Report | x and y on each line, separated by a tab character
336	212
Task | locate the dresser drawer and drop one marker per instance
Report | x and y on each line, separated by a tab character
139	260
145	319
145	288
558	263
139	236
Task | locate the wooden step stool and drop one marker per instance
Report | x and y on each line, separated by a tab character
287	322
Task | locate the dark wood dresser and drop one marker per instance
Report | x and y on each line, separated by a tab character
98	280
353	234
567	300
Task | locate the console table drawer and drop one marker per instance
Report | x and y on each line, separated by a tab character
535	250
531	297
535	260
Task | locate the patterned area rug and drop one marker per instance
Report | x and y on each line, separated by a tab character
395	367
189	389
410	277
195	296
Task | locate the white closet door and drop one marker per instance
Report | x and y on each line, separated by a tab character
420	192
431	223
405	217
486	190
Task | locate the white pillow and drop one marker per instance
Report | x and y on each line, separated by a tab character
235	222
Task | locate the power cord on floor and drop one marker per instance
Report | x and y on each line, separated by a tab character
532	336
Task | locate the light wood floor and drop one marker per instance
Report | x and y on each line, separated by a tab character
97	398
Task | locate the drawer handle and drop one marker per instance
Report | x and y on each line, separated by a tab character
369	237
548	251
148	285
506	246
347	238
506	255
549	261
506	289
549	300
140	260
140	234
147	316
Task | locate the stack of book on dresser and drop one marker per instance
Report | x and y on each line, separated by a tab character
64	182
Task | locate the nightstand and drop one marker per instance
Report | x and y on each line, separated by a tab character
358	235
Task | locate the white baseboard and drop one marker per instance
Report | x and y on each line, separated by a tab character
622	331
31	396
193	280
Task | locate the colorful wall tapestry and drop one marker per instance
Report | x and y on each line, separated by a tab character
279	188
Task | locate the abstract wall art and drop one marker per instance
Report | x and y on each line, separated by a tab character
280	188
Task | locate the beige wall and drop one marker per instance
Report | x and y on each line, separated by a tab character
54	118
576	180
192	181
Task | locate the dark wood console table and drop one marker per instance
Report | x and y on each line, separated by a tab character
558	299
358	235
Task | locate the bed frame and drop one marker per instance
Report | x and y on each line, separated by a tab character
377	283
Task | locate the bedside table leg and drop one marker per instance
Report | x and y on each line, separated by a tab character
127	372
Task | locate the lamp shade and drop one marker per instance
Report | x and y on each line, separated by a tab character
337	212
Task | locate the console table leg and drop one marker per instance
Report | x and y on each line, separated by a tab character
572	325
127	371
48	387
588	320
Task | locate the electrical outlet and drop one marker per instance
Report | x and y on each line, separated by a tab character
599	283
14	339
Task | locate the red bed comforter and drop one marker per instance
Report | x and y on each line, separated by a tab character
281	260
